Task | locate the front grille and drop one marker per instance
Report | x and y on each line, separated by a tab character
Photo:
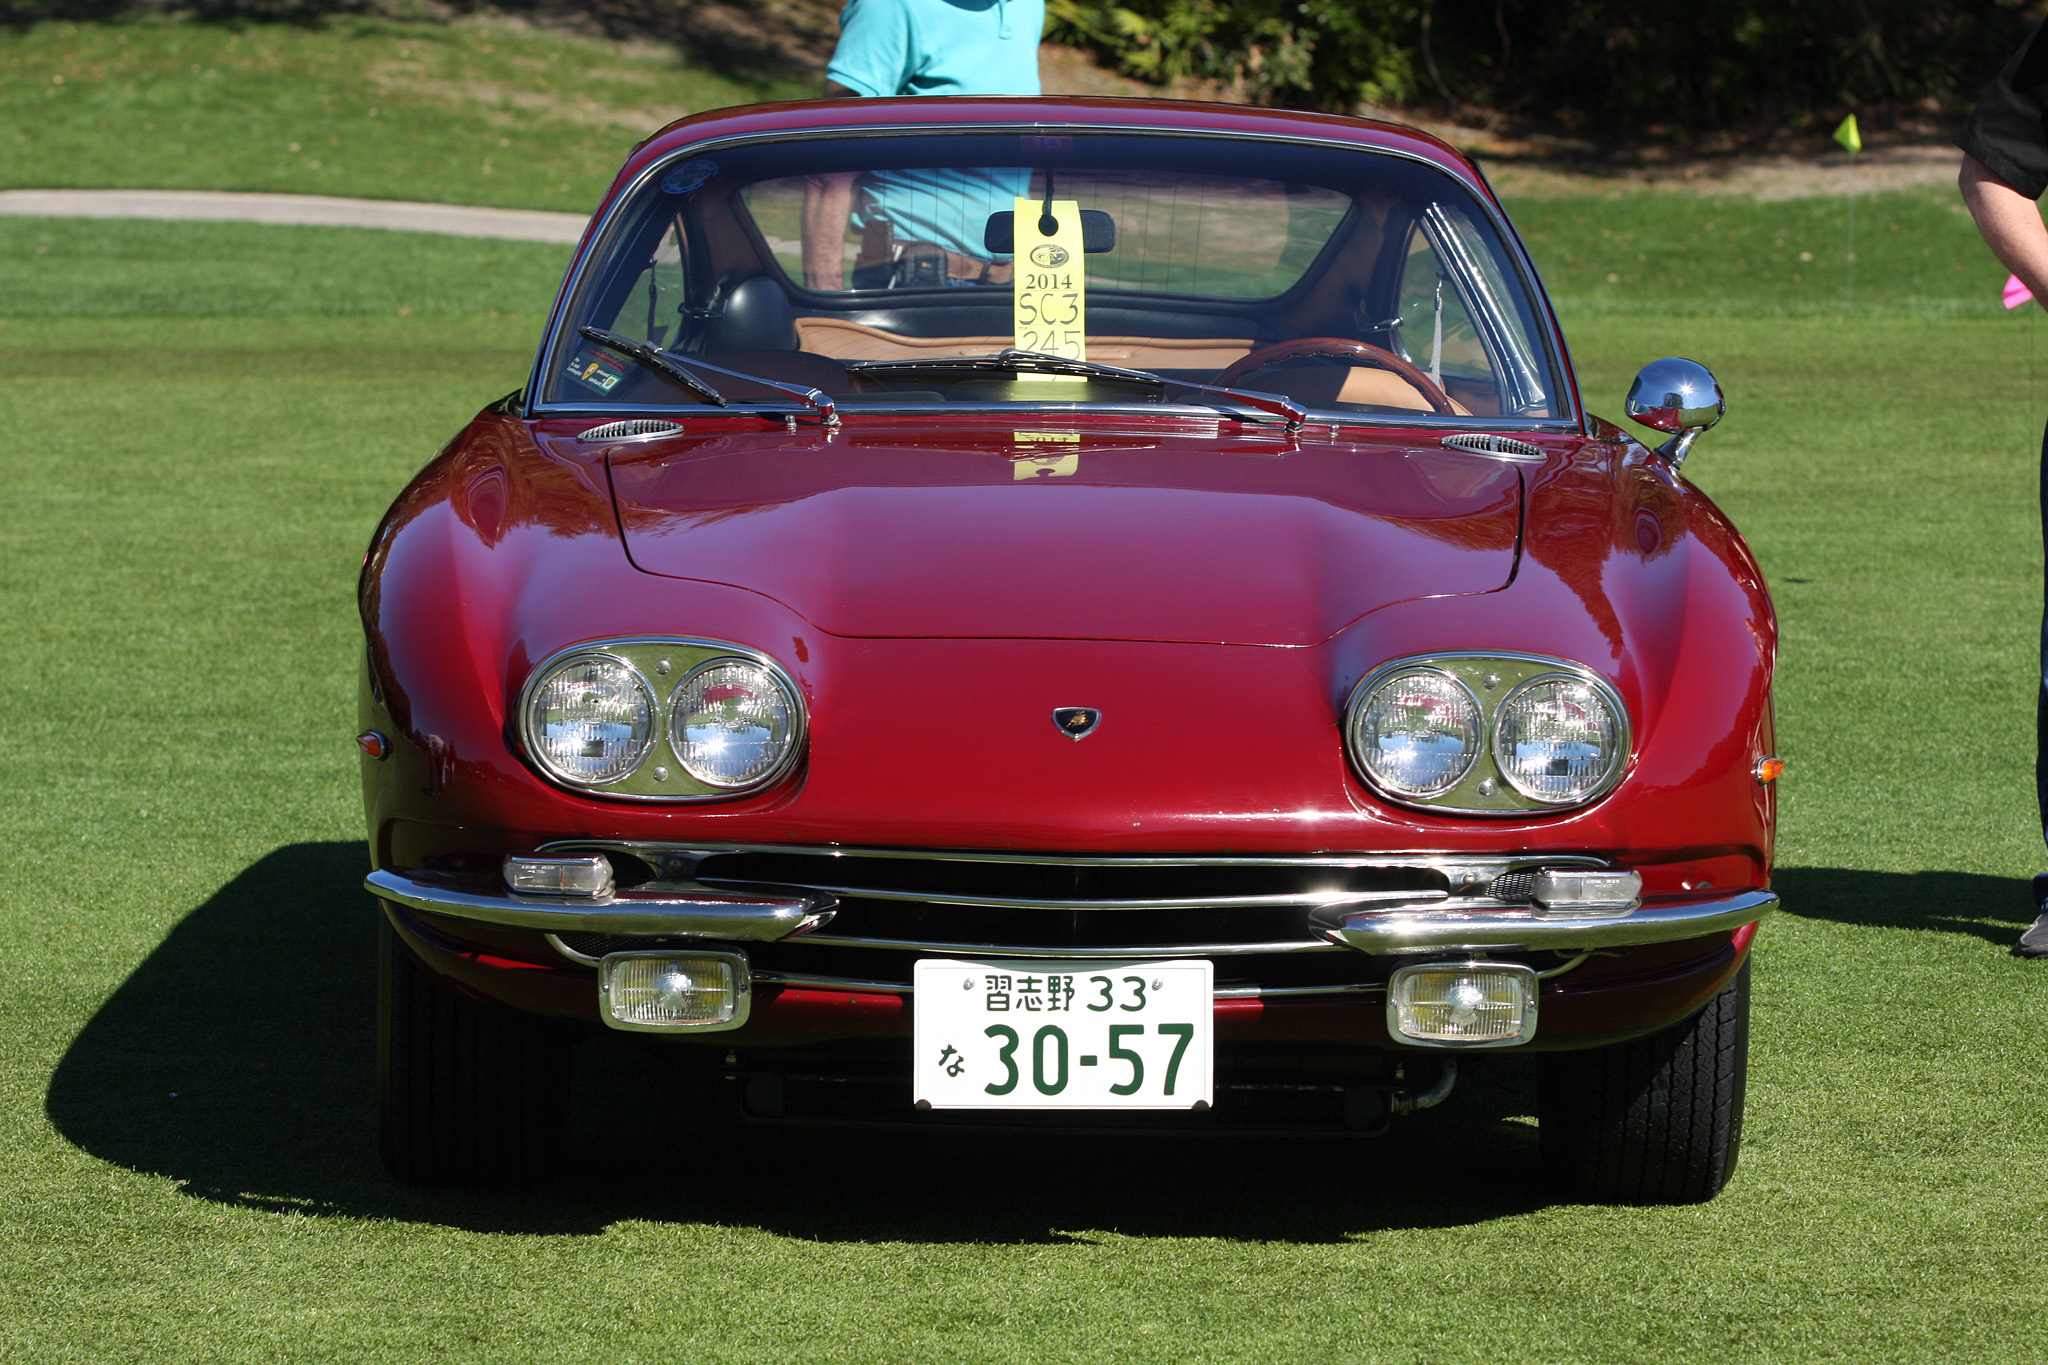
1251	915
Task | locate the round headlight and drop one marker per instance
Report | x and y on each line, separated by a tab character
733	724
1558	740
590	720
1416	733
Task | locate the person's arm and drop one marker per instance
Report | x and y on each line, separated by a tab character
828	204
2011	224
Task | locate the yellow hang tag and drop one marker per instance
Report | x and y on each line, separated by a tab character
1050	282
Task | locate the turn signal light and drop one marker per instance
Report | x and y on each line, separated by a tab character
658	992
1768	769
1462	1004
588	876
1575	890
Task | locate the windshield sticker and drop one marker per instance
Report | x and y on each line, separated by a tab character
689	176
1050	288
595	370
1045	466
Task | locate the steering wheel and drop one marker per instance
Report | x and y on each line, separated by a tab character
1365	351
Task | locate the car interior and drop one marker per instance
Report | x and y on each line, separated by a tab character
1382	289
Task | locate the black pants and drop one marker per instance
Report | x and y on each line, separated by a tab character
2041	705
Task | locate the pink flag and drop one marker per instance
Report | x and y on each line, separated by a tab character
2016	293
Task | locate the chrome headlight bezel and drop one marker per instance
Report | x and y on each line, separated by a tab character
1491	677
662	663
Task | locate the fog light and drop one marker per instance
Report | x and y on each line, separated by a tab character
1463	1004
591	876
655	992
1587	891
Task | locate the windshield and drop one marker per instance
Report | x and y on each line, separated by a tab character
869	266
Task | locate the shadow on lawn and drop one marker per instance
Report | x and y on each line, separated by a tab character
1994	909
238	1061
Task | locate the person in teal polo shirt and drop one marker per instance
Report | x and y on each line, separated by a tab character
921	227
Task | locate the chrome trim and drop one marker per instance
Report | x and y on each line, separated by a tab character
1491	443
742	990
1095	410
814	981
1475	867
631	430
699	913
1468	666
820	981
1281	899
1518	375
1657	921
1565	393
1079	954
705	651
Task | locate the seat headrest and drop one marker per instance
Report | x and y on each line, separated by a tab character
757	317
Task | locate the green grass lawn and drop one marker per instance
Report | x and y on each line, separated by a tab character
204	423
185	1042
478	112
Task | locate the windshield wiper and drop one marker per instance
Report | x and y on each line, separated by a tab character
669	365
655	359
1014	361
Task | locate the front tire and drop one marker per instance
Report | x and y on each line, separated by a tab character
1653	1121
469	1093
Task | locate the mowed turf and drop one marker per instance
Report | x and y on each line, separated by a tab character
484	111
186	1106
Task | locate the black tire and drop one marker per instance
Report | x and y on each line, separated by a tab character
468	1093
1654	1121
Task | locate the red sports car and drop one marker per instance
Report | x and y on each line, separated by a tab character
1067	613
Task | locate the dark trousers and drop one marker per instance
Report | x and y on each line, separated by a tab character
2041	705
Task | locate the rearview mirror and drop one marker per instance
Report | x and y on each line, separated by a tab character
1679	396
1098	233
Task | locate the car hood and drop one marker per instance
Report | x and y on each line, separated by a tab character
1070	535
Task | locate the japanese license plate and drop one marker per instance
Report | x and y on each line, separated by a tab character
1060	1035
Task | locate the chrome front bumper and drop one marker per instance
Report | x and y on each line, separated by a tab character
1395	929
706	914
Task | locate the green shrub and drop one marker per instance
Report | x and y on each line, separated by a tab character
1602	66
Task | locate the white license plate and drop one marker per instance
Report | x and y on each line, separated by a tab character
1058	1035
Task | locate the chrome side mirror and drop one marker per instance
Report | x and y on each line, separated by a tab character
1678	396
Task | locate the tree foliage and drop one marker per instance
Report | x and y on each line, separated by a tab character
1598	65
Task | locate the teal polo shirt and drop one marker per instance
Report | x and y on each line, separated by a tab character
939	47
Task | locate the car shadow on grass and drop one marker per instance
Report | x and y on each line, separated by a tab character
238	1060
1994	909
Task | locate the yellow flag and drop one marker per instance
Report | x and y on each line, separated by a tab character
1848	136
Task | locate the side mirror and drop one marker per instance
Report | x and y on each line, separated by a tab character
1678	396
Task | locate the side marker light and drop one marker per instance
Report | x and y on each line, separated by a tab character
373	744
1767	770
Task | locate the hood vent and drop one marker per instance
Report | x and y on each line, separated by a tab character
1486	443
632	429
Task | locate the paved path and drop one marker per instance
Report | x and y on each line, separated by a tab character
302	210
